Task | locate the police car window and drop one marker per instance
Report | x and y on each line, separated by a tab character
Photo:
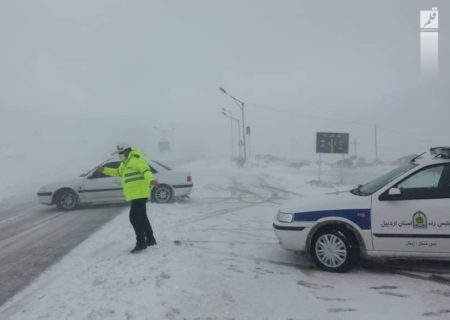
446	177
429	183
380	182
445	180
427	178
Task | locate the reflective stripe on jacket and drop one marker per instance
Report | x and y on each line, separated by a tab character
136	176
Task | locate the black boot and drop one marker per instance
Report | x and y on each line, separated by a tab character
139	247
151	242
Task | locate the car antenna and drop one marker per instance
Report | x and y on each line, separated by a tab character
413	159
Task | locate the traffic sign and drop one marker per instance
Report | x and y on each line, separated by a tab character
332	142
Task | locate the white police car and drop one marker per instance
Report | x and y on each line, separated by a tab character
404	213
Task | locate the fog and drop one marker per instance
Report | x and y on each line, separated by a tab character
78	77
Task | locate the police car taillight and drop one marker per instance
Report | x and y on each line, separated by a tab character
443	152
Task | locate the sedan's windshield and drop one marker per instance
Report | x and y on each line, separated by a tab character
380	182
112	164
84	174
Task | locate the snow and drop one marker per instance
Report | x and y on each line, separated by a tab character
217	258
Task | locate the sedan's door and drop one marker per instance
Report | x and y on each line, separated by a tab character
98	187
413	215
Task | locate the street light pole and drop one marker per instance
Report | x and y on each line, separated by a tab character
240	104
231	131
232	139
228	114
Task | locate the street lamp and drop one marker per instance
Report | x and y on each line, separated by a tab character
241	105
228	114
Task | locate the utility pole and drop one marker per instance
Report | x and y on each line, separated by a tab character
320	164
376	143
248	141
232	140
243	130
228	114
239	137
241	105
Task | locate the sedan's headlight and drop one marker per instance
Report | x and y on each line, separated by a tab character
285	217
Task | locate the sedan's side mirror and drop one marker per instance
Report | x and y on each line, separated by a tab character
394	192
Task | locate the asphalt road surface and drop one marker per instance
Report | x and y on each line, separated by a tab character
33	237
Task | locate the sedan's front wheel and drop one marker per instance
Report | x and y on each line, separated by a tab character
66	200
333	250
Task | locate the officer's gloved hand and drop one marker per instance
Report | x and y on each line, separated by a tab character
154	183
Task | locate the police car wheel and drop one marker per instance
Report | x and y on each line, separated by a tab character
66	200
333	250
162	194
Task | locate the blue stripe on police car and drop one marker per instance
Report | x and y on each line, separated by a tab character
361	217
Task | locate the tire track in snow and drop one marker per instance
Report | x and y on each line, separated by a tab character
240	193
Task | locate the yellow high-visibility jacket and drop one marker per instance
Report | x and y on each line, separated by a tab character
136	176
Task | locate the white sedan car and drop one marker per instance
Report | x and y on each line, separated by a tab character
404	213
96	188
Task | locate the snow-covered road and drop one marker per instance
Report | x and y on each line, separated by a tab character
217	258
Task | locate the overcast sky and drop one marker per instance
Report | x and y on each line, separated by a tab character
100	72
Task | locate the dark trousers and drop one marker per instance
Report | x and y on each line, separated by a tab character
140	222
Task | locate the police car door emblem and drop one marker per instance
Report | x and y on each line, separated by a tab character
419	220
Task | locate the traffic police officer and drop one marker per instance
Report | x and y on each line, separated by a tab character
137	179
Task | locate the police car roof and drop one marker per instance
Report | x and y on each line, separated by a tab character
436	155
441	152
